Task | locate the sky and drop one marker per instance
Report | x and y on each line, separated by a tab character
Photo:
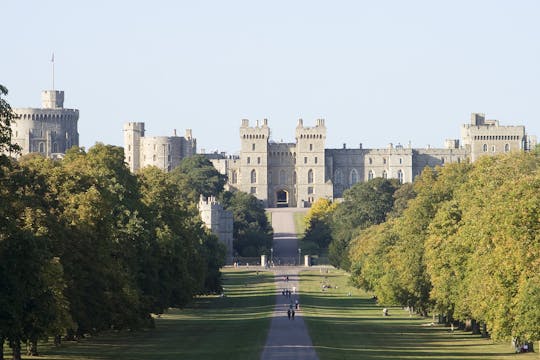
378	71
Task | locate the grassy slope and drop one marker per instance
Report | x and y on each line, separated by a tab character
343	327
234	327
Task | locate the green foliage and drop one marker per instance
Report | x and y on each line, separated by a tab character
7	116
86	246
251	230
197	176
318	225
364	204
467	246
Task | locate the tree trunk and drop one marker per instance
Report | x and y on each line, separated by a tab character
1	348
16	348
475	328
484	330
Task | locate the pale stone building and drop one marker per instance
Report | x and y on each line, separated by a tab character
296	174
165	152
50	130
219	221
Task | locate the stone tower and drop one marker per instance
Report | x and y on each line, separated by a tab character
219	221
133	132
310	162
50	130
254	162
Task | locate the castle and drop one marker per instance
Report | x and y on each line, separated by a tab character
50	130
165	152
296	174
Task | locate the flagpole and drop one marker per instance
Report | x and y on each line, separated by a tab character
52	61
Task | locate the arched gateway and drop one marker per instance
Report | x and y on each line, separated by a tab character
282	198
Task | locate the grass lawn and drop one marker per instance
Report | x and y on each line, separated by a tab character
299	223
233	327
343	327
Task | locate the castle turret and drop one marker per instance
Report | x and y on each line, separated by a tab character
310	162
254	162
133	132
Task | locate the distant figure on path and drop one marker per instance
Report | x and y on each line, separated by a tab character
289	314
292	314
385	312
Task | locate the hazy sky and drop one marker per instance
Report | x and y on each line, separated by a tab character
377	71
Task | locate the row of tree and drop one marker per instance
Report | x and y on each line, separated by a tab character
462	241
87	246
467	246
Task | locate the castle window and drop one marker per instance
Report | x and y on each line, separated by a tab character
234	177
154	157
253	190
54	147
506	147
269	177
310	190
353	177
252	146
315	159
129	147
384	175
248	160
129	159
370	175
310	176
370	161
41	147
310	147
253	176
484	148
400	161
384	160
294	178
305	159
400	176
492	148
258	160
338	177
442	160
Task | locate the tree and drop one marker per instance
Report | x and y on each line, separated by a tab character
197	176
251	230
7	116
364	204
318	223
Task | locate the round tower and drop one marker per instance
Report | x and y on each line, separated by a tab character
50	130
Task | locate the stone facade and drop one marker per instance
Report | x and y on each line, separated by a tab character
296	174
165	152
50	130
219	221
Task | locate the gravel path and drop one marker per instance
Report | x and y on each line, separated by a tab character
287	339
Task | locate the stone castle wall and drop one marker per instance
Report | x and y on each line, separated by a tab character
50	130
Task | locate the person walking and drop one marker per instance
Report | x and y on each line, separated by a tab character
289	314
292	314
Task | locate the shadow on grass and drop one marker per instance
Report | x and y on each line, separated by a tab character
352	327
